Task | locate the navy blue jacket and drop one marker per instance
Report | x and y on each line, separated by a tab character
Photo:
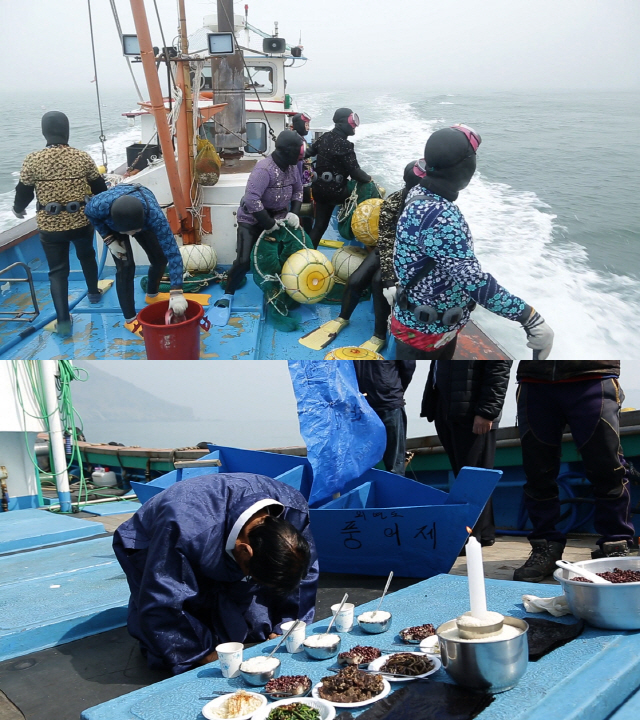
384	381
187	593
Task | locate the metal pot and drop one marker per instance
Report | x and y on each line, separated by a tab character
491	665
613	607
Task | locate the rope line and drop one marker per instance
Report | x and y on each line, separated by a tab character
95	71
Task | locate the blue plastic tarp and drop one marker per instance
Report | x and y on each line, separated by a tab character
343	435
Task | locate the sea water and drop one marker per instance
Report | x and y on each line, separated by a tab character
553	207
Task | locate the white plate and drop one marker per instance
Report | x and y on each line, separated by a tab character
210	706
385	691
430	645
326	709
379	662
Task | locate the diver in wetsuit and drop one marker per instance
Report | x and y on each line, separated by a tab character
300	124
62	179
439	276
336	162
376	271
273	195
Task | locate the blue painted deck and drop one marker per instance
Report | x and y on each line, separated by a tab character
587	679
630	710
112	508
55	595
37	528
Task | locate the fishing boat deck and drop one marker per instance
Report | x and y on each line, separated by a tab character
65	680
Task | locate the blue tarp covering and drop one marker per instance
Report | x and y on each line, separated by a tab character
343	435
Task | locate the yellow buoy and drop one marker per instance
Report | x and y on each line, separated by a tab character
307	276
198	258
352	353
364	222
347	260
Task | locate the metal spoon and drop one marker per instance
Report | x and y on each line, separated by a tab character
384	592
581	572
284	637
333	619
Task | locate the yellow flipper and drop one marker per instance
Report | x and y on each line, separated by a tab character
374	343
319	338
200	298
105	285
331	243
52	326
134	327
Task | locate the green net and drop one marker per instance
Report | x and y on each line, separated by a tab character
358	192
267	258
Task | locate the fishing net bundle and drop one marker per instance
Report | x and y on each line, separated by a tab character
207	163
358	192
268	256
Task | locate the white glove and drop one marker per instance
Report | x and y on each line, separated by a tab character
177	302
20	215
539	334
292	220
390	294
116	247
556	606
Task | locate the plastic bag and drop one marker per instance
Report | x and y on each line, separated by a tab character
207	164
343	434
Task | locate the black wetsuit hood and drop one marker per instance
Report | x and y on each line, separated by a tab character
341	120
450	161
127	213
410	178
287	151
55	128
299	125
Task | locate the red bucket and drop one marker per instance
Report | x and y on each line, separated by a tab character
178	341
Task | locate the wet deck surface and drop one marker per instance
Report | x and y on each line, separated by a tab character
63	681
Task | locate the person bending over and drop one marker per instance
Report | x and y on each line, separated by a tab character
213	559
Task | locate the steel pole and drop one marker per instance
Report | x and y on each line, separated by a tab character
56	436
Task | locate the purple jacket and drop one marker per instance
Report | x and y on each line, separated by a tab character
270	188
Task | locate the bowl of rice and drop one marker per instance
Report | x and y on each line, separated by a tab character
259	670
322	647
239	705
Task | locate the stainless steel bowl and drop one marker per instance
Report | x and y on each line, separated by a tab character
323	653
613	607
492	666
261	678
376	627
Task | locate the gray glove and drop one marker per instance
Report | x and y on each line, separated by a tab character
116	247
20	215
539	334
292	220
390	294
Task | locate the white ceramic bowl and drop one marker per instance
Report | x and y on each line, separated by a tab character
326	710
208	709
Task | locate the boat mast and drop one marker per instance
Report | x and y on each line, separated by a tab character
164	136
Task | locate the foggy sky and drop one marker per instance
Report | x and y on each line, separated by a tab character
431	45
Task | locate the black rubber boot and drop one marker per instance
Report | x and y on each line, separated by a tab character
619	548
542	561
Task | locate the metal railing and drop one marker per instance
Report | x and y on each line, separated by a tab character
20	315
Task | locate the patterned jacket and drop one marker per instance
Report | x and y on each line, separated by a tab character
389	213
270	188
61	174
98	210
435	228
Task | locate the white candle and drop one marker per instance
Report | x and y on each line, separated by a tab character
475	573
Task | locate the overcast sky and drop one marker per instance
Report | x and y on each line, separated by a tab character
434	45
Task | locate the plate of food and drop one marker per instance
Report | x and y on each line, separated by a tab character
297	709
416	634
359	655
430	645
415	665
351	688
291	686
240	705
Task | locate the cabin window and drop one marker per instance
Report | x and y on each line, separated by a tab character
259	78
256	137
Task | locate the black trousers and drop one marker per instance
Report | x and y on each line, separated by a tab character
126	270
591	409
368	274
465	448
56	249
247	237
408	352
324	210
